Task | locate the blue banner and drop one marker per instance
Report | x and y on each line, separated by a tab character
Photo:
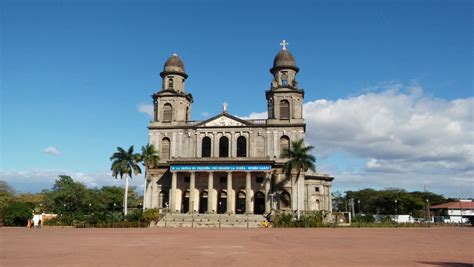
221	167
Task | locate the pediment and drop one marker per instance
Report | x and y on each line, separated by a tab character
224	120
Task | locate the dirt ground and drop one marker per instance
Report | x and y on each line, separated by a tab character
449	246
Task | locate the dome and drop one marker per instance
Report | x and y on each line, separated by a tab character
284	60
174	65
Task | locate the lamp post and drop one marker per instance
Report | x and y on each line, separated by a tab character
428	212
90	205
396	211
64	212
360	213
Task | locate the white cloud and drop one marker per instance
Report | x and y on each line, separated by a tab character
404	137
37	180
145	108
204	114
52	151
255	116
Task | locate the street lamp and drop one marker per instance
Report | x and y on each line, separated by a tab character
428	212
360	213
396	211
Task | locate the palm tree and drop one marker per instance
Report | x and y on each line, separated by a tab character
149	159
301	160
125	163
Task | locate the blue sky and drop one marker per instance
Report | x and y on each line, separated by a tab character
73	74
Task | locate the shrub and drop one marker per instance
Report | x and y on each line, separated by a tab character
134	216
151	215
283	220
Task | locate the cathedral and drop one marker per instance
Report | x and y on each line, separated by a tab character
225	164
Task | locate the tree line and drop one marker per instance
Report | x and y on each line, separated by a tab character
73	203
387	201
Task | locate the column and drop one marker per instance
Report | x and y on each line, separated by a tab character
233	146
268	177
148	195
230	208
174	178
192	185
248	199
210	192
154	193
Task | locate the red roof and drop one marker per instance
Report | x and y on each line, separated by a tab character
455	205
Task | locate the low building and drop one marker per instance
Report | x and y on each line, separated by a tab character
454	212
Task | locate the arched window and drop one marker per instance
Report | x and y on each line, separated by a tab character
241	146
187	113
165	148
206	147
224	147
284	78
170	83
285	200
284	145
167	112
284	109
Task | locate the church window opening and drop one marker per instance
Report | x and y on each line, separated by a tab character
224	147
165	148
241	146
284	145
284	109
167	112
187	113
284	78
316	188
206	147
170	83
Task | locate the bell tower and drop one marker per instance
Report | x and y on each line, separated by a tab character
285	98
172	105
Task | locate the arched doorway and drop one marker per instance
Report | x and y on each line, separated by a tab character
163	198
285	200
222	202
259	203
240	203
203	202
185	202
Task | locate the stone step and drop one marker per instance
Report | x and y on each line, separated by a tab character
211	220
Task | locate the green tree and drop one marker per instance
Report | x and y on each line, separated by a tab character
69	199
6	196
125	163
17	213
300	159
149	159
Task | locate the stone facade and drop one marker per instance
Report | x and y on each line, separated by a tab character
226	164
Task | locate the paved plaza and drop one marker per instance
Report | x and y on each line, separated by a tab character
440	246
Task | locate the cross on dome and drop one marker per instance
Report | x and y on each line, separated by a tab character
283	44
